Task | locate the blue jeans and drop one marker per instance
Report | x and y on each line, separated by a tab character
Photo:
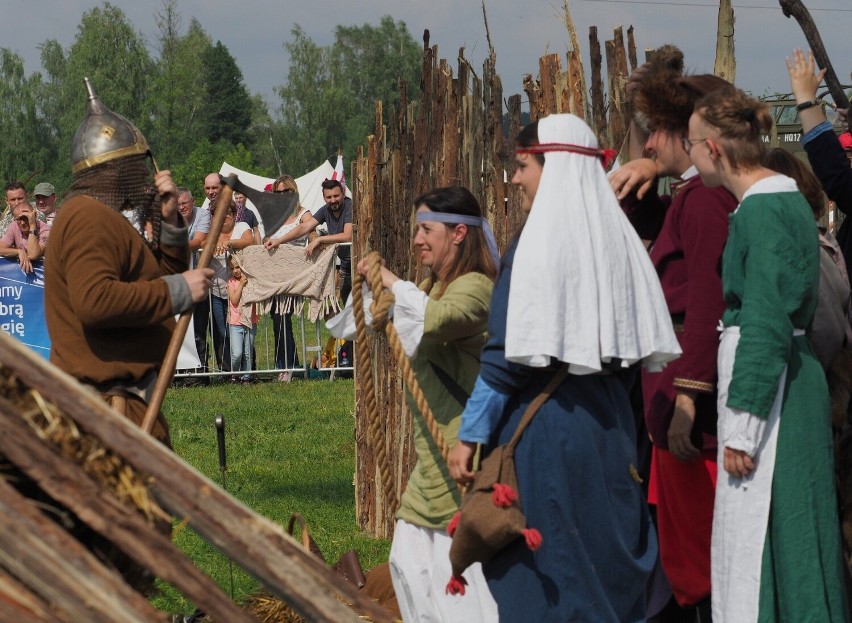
242	345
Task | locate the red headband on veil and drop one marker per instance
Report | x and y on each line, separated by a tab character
606	156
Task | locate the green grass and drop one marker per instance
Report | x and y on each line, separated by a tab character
290	448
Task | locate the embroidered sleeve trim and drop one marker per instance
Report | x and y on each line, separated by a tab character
699	386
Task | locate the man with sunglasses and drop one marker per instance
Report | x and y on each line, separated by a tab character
26	237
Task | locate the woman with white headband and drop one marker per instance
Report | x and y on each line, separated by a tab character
442	326
575	288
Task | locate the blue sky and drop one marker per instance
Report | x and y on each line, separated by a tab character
255	30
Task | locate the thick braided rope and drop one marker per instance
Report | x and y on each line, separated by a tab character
365	370
382	300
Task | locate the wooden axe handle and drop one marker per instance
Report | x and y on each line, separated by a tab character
795	8
167	370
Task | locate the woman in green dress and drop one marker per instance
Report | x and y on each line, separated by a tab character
776	541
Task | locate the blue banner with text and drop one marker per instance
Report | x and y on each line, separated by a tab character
22	305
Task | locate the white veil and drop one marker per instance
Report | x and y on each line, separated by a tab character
583	289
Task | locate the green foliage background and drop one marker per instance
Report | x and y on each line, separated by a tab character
186	93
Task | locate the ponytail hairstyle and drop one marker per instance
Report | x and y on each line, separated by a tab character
740	121
473	254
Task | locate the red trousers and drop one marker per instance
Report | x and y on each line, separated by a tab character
683	493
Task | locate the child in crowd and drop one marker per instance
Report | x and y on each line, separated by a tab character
242	323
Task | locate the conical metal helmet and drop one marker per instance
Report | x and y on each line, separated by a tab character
103	136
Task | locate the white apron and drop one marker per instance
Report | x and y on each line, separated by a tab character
741	511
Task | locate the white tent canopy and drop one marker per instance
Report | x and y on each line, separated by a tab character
310	186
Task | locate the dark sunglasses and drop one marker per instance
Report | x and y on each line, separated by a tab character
286	190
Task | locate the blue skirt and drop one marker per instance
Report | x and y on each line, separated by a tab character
574	464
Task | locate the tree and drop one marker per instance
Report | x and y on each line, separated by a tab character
330	94
208	156
27	142
261	136
112	54
375	59
226	113
314	105
174	98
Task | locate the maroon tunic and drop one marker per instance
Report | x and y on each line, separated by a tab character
687	254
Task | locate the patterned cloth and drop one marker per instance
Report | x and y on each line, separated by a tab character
282	279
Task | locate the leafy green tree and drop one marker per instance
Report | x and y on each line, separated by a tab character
262	137
329	98
208	156
112	54
314	107
173	99
375	59
28	146
226	112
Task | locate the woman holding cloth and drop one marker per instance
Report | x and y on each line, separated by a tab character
776	542
576	288
441	324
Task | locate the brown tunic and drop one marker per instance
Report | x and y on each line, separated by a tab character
109	313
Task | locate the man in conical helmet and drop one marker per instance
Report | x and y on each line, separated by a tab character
117	270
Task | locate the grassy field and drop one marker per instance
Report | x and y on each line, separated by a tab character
290	448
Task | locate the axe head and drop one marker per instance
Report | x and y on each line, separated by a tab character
273	208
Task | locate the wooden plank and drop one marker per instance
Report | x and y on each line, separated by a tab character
631	49
60	570
68	484
261	547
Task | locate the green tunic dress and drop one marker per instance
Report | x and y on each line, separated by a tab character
446	366
770	281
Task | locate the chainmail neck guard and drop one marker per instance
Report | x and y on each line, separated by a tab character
124	184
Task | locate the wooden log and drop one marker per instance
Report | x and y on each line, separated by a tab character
631	49
513	213
495	181
533	91
726	59
549	68
42	555
18	603
576	73
68	484
616	65
577	103
598	120
562	92
261	547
